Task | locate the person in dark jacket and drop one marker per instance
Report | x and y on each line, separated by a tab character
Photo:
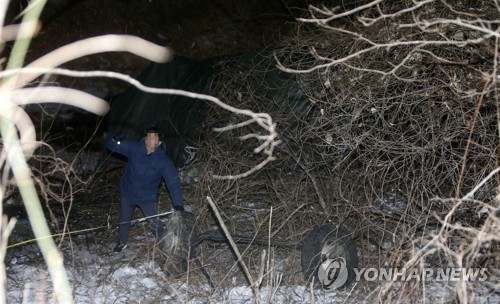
147	165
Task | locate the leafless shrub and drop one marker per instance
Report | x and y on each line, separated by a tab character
395	136
401	112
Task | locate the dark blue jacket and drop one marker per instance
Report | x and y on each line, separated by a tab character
143	173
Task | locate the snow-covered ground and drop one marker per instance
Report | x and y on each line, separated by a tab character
127	278
99	276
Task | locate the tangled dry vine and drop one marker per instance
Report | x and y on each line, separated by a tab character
388	121
397	136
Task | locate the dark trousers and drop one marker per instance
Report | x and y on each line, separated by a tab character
127	209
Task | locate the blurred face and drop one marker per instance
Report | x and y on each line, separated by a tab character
152	142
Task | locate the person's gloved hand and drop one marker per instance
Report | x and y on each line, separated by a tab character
179	208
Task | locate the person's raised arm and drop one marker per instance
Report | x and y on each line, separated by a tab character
118	144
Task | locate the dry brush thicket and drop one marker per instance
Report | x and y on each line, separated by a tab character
388	118
396	136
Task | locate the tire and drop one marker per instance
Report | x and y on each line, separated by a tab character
329	256
178	244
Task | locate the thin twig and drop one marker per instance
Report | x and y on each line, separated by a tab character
252	282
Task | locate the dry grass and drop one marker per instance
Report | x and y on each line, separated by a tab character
389	143
399	144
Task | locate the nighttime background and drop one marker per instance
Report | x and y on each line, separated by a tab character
381	119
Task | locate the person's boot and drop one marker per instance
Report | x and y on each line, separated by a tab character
119	247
